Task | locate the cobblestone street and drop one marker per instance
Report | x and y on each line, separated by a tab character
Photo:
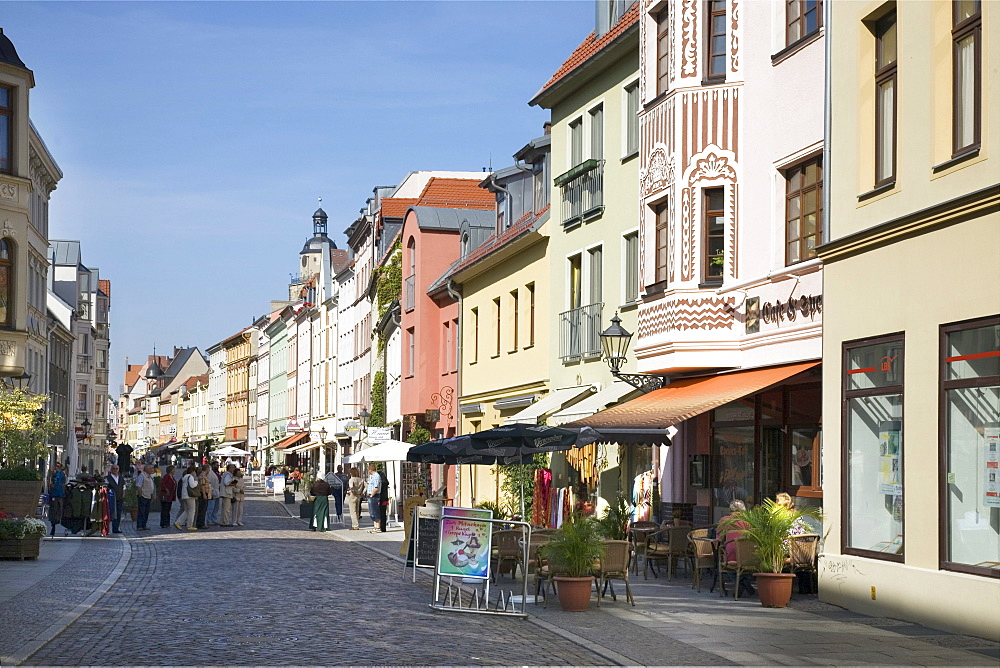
275	593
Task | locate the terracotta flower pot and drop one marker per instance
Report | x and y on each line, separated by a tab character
574	593
774	589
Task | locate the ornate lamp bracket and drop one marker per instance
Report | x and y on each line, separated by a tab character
644	382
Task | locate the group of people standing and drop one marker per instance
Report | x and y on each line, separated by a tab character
352	489
206	496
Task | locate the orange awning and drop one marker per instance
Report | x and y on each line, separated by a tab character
290	441
650	414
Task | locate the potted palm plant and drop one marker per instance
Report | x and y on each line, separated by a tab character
24	428
767	526
571	553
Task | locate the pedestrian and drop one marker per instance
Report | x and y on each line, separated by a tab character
383	501
189	491
355	490
371	491
214	478
296	478
57	496
339	481
239	491
321	504
145	489
201	504
226	490
168	494
731	531
116	487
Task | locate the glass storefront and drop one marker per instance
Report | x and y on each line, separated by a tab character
971	384
874	448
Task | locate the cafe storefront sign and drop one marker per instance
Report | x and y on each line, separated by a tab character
806	307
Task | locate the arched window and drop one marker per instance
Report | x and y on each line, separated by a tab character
6	283
411	250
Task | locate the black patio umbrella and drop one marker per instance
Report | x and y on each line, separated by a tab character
457	450
529	439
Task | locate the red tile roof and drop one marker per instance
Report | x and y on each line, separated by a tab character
395	207
105	286
132	374
449	193
493	243
592	45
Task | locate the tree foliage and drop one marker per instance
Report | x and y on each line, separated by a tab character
25	426
518	479
377	418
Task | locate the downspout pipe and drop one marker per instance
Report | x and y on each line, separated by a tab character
827	116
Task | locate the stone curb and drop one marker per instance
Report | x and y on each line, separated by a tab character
67	618
614	658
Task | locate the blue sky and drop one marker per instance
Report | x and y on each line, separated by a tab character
195	137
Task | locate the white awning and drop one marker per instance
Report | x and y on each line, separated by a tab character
386	451
609	396
551	402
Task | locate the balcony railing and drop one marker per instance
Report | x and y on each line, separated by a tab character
582	191
409	292
580	332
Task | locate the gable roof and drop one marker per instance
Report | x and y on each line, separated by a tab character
456	193
395	207
105	286
590	47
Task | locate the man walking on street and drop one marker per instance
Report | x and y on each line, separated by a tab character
144	483
116	485
168	494
57	495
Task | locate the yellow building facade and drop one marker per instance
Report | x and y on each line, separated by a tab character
911	352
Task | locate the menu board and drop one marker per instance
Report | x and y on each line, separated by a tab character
428	532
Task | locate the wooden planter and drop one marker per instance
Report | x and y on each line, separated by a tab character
20	497
20	548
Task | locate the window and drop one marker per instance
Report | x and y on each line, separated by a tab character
411	348
6	129
541	185
662	51
967	39
662	211
597	132
716	53
496	326
803	18
446	348
631	252
873	448
714	235
475	335
575	281
885	100
514	325
576	142
6	283
803	210
631	118
454	349
531	313
596	262
970	451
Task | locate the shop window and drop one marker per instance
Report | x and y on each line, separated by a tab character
873	448
970	450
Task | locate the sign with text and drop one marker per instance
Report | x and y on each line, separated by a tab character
426	537
464	545
379	434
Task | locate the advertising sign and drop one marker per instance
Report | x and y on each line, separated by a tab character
992	469
274	484
890	480
379	434
464	547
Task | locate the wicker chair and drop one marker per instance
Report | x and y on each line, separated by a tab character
537	540
702	554
639	532
803	550
505	550
670	544
616	555
543	576
745	562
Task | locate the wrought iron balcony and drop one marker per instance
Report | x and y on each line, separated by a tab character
582	191
580	332
83	363
409	292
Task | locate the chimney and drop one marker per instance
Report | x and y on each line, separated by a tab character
547	128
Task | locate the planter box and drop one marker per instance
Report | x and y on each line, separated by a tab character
289	499
20	548
305	510
20	497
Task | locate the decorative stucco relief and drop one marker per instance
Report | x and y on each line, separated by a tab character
660	172
734	37
685	314
8	191
689	38
715	168
672	56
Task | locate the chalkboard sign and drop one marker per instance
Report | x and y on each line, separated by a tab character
428	534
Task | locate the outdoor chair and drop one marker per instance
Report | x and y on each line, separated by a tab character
803	549
506	550
639	532
702	554
536	542
614	564
745	562
668	544
543	576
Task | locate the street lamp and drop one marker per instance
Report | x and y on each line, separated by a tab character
322	435
86	428
614	341
363	417
19	382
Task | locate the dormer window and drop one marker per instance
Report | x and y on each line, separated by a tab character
466	244
6	129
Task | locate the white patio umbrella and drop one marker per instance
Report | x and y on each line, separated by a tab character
386	451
